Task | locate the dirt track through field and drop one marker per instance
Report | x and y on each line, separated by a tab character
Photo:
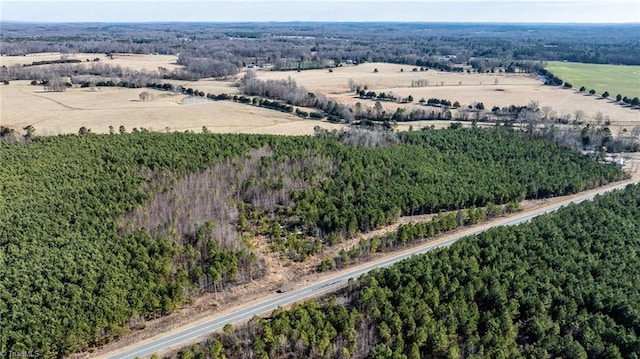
52	100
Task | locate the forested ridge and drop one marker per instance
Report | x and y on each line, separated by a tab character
98	232
564	285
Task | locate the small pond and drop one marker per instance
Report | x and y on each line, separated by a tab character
192	100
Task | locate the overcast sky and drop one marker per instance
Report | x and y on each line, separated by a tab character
562	11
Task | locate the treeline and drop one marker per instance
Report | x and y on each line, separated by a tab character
535	121
93	72
562	285
502	65
49	62
289	92
540	122
408	234
215	65
292	94
256	101
104	231
86	72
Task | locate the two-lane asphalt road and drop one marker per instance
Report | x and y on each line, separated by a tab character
164	342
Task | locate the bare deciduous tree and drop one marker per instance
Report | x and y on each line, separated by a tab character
55	84
29	132
579	116
420	83
546	111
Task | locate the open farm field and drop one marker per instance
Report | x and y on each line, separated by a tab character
209	85
490	89
52	113
389	76
132	61
617	79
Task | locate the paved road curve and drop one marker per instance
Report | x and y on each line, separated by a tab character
312	289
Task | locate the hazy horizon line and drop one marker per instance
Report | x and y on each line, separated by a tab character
321	22
355	11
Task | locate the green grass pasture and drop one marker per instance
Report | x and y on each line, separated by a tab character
617	79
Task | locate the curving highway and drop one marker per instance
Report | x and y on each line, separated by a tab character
164	342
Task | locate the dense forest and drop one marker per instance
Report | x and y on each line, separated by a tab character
99	232
217	50
562	286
